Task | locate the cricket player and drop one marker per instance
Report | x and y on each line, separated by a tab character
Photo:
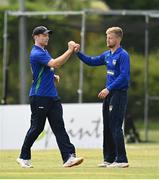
114	96
45	102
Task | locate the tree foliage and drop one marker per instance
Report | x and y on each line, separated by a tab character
68	28
133	4
52	5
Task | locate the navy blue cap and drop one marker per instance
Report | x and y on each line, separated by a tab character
41	30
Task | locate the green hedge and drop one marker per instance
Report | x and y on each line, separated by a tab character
68	28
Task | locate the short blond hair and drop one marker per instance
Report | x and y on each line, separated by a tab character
116	30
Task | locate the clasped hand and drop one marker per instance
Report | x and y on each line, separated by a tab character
74	47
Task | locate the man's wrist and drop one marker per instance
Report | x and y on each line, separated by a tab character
70	51
107	88
77	52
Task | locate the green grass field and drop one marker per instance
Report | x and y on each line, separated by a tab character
143	160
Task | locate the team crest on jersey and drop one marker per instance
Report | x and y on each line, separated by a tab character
114	62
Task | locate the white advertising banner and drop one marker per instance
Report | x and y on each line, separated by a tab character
83	123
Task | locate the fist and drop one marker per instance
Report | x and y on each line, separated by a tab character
76	48
71	45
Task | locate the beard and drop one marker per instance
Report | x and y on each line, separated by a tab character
110	45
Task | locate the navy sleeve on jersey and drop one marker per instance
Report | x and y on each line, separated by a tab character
92	61
124	73
42	58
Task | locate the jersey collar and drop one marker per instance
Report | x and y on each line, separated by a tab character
116	51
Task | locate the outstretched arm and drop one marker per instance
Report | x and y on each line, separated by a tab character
91	61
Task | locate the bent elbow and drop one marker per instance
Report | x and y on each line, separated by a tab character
55	65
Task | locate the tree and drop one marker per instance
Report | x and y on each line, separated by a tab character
52	5
133	4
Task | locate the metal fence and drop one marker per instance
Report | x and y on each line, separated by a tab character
22	14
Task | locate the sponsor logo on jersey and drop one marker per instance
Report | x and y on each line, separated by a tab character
110	72
114	62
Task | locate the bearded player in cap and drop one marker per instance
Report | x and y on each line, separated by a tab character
45	102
